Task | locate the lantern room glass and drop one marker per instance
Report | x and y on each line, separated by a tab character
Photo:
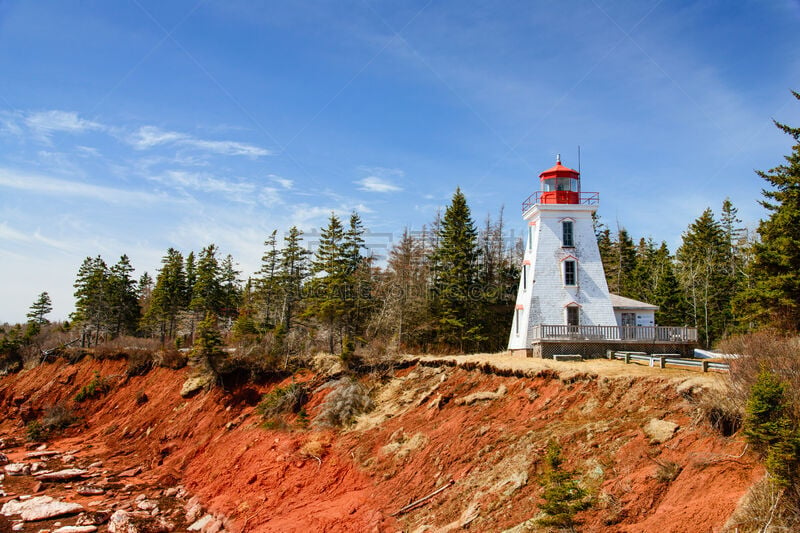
561	184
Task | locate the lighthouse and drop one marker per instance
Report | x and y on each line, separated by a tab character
562	288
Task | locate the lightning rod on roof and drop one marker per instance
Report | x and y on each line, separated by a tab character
579	159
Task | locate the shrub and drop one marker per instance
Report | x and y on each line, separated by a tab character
34	431
96	388
54	419
171	358
769	428
563	496
58	417
344	403
140	362
281	401
667	471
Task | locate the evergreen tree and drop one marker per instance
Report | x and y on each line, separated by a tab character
41	307
230	288
122	298
702	262
330	270
563	496
668	294
771	430
358	279
268	282
168	296
207	296
191	276
207	351
618	255
91	299
774	295
458	293
293	268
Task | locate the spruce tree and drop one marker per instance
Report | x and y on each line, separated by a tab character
268	282
773	297
330	270
458	293
207	296
293	271
563	496
169	295
41	307
91	299
122	298
702	263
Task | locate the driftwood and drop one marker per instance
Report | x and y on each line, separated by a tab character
422	500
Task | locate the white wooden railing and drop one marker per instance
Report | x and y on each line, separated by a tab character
615	333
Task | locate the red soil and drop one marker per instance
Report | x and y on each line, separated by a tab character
420	438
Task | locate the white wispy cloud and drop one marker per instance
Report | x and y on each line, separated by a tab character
150	136
54	186
376	184
380	179
283	182
44	123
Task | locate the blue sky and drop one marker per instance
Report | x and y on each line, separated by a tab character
133	126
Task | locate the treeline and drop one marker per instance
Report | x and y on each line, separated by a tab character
697	285
448	287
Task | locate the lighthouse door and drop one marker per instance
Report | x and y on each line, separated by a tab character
628	325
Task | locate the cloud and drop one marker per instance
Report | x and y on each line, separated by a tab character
150	136
44	123
380	179
376	184
53	186
283	182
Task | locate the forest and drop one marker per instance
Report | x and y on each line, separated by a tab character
447	288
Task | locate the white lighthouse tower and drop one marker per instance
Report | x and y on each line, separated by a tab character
562	286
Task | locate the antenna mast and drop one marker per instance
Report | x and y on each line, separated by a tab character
579	159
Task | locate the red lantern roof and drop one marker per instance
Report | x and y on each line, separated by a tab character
559	171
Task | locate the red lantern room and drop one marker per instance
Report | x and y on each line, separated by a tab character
560	185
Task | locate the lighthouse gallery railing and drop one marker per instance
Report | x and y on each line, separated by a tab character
615	333
584	198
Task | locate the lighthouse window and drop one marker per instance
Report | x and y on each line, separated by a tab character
524	277
570	273
566	233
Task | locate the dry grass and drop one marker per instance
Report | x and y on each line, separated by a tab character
344	403
567	370
766	507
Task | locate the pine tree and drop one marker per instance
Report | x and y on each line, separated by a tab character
563	496
207	296
268	282
330	270
702	263
668	294
774	295
458	294
358	280
769	428
41	307
207	351
293	271
91	299
168	296
191	276
122	298
230	288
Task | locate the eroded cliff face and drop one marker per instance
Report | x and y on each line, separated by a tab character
475	437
